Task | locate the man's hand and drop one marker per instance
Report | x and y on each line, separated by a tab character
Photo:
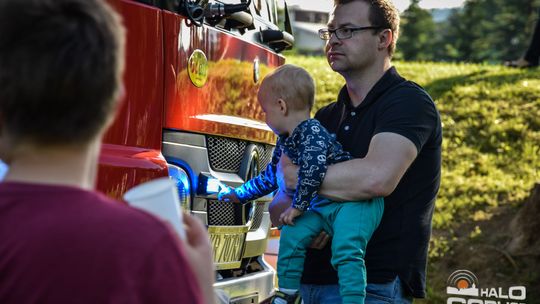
228	195
287	175
289	215
320	241
199	253
279	204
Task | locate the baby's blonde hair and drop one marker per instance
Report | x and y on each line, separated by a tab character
293	84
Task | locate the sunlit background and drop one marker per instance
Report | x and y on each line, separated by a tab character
400	4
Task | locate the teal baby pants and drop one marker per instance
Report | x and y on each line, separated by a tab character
351	225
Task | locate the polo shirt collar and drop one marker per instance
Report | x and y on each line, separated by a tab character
388	80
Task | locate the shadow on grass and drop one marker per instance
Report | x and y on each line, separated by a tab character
441	86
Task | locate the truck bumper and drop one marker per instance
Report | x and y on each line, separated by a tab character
250	288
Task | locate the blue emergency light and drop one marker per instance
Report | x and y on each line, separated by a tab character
210	185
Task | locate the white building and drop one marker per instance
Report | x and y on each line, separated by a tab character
306	24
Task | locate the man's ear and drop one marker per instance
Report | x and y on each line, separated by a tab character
283	106
385	39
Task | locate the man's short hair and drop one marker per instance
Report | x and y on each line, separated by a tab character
61	63
293	84
382	13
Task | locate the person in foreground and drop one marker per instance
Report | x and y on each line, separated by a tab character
287	96
392	129
61	63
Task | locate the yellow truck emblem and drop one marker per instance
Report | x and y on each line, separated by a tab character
198	68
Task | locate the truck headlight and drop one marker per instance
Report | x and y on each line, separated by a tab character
181	178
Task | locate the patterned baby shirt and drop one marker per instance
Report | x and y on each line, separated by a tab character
313	149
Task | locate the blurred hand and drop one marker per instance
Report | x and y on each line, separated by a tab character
282	202
287	175
279	204
228	195
320	241
287	217
199	253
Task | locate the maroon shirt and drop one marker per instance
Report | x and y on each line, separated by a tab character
67	245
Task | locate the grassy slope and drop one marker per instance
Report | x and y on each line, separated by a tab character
491	149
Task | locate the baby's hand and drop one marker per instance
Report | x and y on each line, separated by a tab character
287	217
228	195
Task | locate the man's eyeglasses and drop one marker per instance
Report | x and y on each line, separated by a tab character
344	32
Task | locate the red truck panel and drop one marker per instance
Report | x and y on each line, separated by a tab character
131	153
230	92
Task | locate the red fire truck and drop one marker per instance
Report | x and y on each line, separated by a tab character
190	112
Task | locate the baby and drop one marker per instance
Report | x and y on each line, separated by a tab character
287	96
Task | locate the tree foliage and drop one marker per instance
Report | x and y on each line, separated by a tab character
419	29
481	31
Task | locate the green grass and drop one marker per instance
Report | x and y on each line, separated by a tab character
491	127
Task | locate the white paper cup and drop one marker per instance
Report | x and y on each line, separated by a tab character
160	198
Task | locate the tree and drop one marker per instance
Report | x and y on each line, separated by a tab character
416	41
487	30
480	31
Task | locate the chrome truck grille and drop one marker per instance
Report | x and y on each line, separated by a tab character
257	217
229	224
222	214
226	154
227	214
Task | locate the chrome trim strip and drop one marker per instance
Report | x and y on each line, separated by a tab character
261	282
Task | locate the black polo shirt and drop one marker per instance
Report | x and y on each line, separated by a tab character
399	246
